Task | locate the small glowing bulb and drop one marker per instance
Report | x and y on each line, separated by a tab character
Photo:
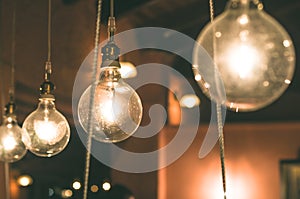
106	186
66	193
24	180
47	130
94	188
117	108
76	185
189	101
12	147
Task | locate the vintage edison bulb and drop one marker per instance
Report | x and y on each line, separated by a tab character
117	110
12	147
47	130
253	53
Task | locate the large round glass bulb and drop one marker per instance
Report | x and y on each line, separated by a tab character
117	109
47	130
12	147
254	55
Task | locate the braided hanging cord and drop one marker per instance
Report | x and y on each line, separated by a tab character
92	99
219	110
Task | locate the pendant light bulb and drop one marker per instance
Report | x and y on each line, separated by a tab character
47	130
254	55
12	147
117	109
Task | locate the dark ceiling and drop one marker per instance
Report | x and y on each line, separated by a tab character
73	32
71	43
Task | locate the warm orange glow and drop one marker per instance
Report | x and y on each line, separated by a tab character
94	188
14	189
25	180
174	110
240	183
66	193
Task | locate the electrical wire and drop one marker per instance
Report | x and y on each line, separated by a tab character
219	110
13	47
49	30
111	8
92	99
11	91
48	66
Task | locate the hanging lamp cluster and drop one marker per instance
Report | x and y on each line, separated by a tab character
253	53
45	132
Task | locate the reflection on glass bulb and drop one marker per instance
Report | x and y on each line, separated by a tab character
12	147
117	110
47	130
254	55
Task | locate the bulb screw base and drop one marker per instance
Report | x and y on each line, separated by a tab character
111	52
47	86
110	55
10	108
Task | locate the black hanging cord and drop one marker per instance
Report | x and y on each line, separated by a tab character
111	8
47	86
49	30
13	49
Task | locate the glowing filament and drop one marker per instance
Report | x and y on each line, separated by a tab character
243	59
48	131
9	143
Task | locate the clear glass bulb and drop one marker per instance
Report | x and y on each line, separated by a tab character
254	54
12	147
47	130
117	110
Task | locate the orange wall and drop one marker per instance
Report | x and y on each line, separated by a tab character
2	181
253	152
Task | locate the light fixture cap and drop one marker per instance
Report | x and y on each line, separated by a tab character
10	108
110	55
46	89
